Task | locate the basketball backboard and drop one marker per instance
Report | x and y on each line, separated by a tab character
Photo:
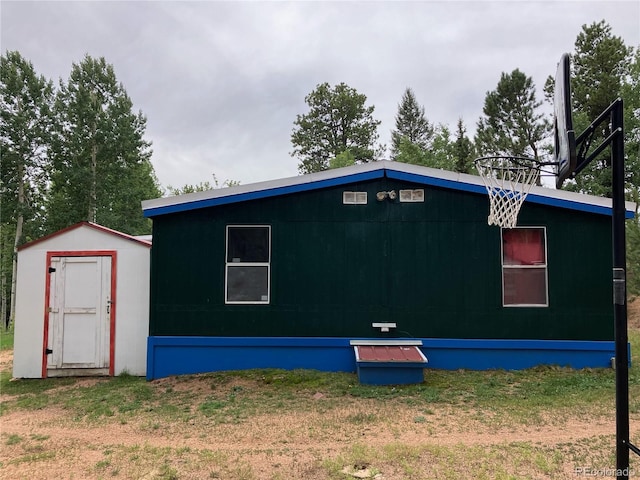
565	138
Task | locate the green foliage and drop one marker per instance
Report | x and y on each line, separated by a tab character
73	154
344	159
601	66
188	188
101	162
337	121
411	125
600	63
201	187
417	142
440	154
511	124
633	256
463	150
13	439
604	68
25	115
6	339
631	98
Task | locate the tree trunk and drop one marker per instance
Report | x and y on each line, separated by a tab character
3	298
91	214
16	243
535	156
94	166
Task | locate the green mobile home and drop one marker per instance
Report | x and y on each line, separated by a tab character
288	273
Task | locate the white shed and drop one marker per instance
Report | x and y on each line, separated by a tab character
82	304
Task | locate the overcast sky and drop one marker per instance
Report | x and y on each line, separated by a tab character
221	83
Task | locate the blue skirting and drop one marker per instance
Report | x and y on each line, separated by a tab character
168	356
390	373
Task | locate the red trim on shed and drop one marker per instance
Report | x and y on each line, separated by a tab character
112	315
95	226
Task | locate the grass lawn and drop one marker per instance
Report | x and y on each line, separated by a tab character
546	422
6	339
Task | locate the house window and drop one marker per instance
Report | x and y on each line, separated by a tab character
524	267
354	198
248	267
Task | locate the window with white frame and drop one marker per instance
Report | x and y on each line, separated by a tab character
524	267
248	264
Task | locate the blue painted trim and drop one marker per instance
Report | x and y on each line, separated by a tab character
385	373
582	207
258	194
476	354
533	198
436	182
168	356
187	355
370	175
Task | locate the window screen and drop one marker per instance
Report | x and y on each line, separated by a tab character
248	284
248	244
248	257
524	267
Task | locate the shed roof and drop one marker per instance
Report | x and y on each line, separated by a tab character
369	171
94	226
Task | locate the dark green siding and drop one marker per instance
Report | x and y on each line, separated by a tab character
433	268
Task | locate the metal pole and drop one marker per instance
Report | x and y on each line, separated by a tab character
620	293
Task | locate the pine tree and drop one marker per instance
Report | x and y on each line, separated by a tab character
338	121
511	124
463	150
601	63
631	98
411	125
440	154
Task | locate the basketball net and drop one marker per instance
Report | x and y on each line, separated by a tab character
508	181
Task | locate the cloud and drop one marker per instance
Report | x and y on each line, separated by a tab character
222	82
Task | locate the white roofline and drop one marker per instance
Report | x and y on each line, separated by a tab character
345	175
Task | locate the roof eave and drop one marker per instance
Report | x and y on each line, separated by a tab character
357	173
92	225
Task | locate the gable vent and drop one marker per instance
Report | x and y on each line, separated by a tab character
416	195
354	198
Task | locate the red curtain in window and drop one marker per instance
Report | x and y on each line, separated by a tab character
523	246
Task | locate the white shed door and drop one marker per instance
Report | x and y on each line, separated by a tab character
79	315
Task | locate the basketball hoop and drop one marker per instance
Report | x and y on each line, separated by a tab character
508	180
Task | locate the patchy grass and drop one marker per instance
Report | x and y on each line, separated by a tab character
508	460
6	339
223	425
235	397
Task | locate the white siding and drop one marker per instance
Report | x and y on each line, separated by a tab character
132	298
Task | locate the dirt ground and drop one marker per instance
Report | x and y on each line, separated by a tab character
633	313
278	445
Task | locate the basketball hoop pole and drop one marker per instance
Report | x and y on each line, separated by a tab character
616	140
